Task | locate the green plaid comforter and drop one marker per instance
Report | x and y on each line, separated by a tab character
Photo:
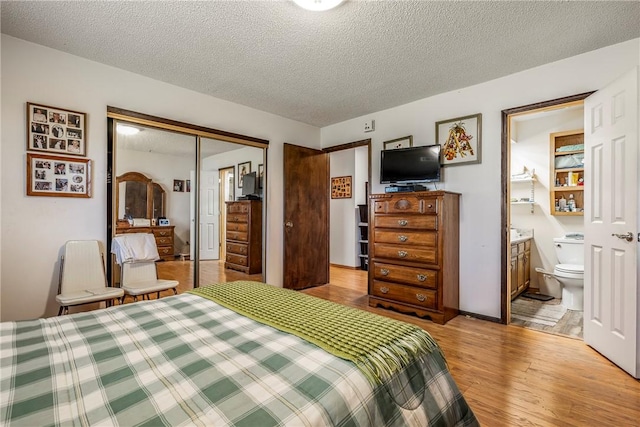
185	360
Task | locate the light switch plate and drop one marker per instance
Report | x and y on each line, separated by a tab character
370	126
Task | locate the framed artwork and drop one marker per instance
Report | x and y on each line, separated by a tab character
341	187
260	175
56	130
460	140
56	176
178	185
394	144
243	169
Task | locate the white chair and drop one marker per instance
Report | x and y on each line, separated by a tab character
141	278
82	278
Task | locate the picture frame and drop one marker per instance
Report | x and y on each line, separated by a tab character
188	186
341	187
243	169
260	175
163	221
56	176
178	185
394	144
56	130
460	139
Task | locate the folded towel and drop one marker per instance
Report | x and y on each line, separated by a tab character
134	247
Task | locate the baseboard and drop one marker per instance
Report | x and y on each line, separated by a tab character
481	316
347	267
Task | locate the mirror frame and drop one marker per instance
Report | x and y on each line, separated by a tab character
135	177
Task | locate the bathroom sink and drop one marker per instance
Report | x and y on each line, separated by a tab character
517	236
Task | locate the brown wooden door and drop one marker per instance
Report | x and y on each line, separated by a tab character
306	217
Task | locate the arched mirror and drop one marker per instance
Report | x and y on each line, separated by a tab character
137	196
186	175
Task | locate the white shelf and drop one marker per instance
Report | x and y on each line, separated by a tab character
523	203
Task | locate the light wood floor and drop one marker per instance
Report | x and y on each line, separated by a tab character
511	376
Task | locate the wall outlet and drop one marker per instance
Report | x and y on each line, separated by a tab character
370	126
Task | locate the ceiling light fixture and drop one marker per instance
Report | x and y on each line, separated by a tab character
126	129
318	5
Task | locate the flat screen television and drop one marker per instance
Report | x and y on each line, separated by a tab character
410	165
250	185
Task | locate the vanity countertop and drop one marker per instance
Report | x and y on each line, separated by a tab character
520	235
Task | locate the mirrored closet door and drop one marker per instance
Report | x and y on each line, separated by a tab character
175	184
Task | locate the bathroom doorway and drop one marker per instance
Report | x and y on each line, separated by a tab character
531	297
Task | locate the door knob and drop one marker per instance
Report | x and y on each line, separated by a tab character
288	224
628	237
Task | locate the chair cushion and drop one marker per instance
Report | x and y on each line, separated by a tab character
88	295
148	286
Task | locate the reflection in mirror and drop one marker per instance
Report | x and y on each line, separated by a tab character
175	191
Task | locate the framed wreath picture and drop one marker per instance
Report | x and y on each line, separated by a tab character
243	169
56	130
460	140
341	187
58	176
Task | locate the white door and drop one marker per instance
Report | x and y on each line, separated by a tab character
611	214
209	215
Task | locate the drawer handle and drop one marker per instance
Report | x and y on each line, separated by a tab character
403	238
403	254
403	222
422	277
384	289
384	272
420	297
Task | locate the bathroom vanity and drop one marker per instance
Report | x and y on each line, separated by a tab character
520	264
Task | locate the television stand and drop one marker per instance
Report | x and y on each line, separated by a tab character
404	188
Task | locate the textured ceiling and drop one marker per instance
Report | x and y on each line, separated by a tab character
323	67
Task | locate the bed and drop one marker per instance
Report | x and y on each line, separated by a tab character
192	360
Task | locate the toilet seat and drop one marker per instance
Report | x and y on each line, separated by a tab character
570	271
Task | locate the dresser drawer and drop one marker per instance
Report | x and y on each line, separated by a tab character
237	259
409	275
407	294
133	230
159	232
406	204
419	222
237	248
237	208
406	253
164	241
237	235
243	218
165	251
237	226
422	238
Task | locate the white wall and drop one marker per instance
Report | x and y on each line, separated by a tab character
480	235
532	150
34	229
342	215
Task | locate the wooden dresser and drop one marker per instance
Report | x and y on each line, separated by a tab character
244	236
162	233
414	253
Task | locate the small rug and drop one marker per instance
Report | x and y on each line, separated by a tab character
534	311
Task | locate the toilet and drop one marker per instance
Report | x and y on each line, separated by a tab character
570	270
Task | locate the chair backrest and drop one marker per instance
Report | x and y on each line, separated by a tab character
82	266
136	272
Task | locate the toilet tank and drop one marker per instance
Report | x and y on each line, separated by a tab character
570	248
